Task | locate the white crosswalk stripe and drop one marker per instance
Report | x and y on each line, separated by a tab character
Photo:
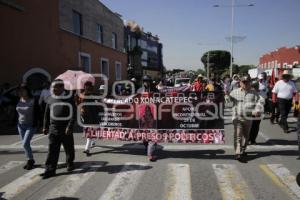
283	178
34	139
10	165
178	182
70	185
231	183
177	185
127	179
20	184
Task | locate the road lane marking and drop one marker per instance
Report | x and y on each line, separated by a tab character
123	185
73	182
39	138
10	165
264	136
231	183
178	182
282	177
20	184
34	138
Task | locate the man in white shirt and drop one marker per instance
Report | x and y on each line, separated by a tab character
283	93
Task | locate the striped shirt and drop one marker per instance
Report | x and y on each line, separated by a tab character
246	103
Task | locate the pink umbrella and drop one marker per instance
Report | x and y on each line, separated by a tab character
75	80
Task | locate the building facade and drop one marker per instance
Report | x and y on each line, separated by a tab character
42	39
144	53
280	59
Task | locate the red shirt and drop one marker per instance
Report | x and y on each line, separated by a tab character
198	87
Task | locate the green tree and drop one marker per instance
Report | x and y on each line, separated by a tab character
243	69
219	61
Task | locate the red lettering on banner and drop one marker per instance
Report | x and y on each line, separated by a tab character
93	133
211	137
193	137
177	136
171	136
104	134
117	135
138	135
158	137
144	136
198	136
165	136
130	136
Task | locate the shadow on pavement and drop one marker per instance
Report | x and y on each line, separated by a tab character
110	169
163	154
64	198
280	142
260	154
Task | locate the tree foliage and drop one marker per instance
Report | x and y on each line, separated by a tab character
219	61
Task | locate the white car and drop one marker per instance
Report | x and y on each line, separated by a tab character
181	82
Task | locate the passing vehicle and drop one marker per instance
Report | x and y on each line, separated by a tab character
181	82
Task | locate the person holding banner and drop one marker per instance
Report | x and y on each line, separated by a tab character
246	107
148	88
89	114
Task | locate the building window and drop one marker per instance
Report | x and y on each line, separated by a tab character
114	40
105	67
129	42
99	33
85	62
77	23
118	71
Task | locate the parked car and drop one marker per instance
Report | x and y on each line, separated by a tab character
181	82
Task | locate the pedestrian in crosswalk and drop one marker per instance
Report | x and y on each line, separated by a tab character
148	88
283	93
59	125
89	114
246	104
256	122
28	112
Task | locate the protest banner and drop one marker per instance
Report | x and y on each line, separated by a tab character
187	117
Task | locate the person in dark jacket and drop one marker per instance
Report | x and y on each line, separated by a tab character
89	114
59	126
28	111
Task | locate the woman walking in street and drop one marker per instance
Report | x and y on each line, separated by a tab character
27	110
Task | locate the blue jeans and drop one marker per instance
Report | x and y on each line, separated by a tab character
26	132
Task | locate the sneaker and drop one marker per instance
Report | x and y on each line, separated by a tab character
152	158
70	167
237	156
87	152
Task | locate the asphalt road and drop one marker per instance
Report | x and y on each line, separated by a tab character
119	170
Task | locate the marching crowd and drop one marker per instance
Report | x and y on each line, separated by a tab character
250	101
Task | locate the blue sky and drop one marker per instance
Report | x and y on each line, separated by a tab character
183	24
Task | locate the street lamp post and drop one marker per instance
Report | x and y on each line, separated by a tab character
207	70
233	5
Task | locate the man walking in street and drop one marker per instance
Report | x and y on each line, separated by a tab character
58	123
246	107
283	93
